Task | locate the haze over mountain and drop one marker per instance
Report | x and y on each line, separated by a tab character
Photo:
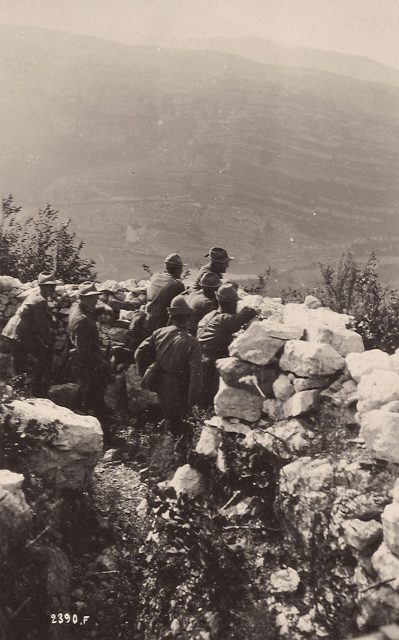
152	150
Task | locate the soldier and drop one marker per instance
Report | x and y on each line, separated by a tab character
178	375
162	289
218	264
31	332
92	369
215	333
203	301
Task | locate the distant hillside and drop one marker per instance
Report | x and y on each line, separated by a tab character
152	150
358	67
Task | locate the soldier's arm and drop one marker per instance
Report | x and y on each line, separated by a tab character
195	383
145	354
240	319
84	346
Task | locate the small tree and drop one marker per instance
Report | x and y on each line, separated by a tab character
39	243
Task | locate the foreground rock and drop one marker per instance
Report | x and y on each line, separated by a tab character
238	403
67	446
376	389
359	364
380	430
310	359
188	481
15	514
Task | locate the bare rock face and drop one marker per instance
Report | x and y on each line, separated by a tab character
15	514
390	523
377	605
188	481
231	370
266	307
238	403
256	345
283	387
310	359
360	364
68	445
300	315
386	564
209	441
300	403
285	439
376	389
380	430
360	534
344	341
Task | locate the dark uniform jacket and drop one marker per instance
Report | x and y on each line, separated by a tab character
33	324
200	305
179	358
216	329
83	334
207	268
162	289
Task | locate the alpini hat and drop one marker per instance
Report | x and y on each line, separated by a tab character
210	280
179	307
227	293
174	258
87	289
46	277
217	254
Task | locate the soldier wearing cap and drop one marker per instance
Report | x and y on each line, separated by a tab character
91	366
218	264
31	332
215	333
178	379
203	301
162	289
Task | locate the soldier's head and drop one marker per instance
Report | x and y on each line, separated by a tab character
227	298
47	284
174	265
219	258
179	312
88	296
209	284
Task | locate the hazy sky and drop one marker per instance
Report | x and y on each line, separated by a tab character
363	27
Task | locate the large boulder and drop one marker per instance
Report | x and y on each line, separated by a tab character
238	403
67	446
283	387
390	523
344	341
386	565
231	370
8	282
360	364
310	359
209	441
256	344
380	430
360	534
15	514
300	315
265	307
376	389
300	403
285	439
377	605
303	384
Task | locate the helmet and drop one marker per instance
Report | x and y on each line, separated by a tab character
46	277
174	259
88	289
217	254
179	307
210	280
227	293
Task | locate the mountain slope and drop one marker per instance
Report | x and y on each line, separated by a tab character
152	150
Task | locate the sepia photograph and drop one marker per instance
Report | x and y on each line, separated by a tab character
199	320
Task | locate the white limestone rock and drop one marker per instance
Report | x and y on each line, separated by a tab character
209	441
394	359
312	302
344	341
8	282
380	431
300	403
376	389
68	458
285	580
265	307
377	605
231	370
303	384
283	387
391	406
386	564
395	491
188	481
360	534
300	315
360	364
238	403
306	475
310	359
273	408
256	344
390	523
285	439
15	514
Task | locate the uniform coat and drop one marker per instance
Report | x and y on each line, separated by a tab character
162	289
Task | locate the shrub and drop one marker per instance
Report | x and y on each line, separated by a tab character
37	243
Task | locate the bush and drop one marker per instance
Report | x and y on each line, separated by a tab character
29	245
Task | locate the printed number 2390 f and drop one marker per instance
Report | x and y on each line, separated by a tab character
67	618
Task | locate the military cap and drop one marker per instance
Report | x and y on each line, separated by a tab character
179	307
174	258
88	289
46	277
217	254
210	280
227	293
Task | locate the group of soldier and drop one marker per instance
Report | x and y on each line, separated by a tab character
175	339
